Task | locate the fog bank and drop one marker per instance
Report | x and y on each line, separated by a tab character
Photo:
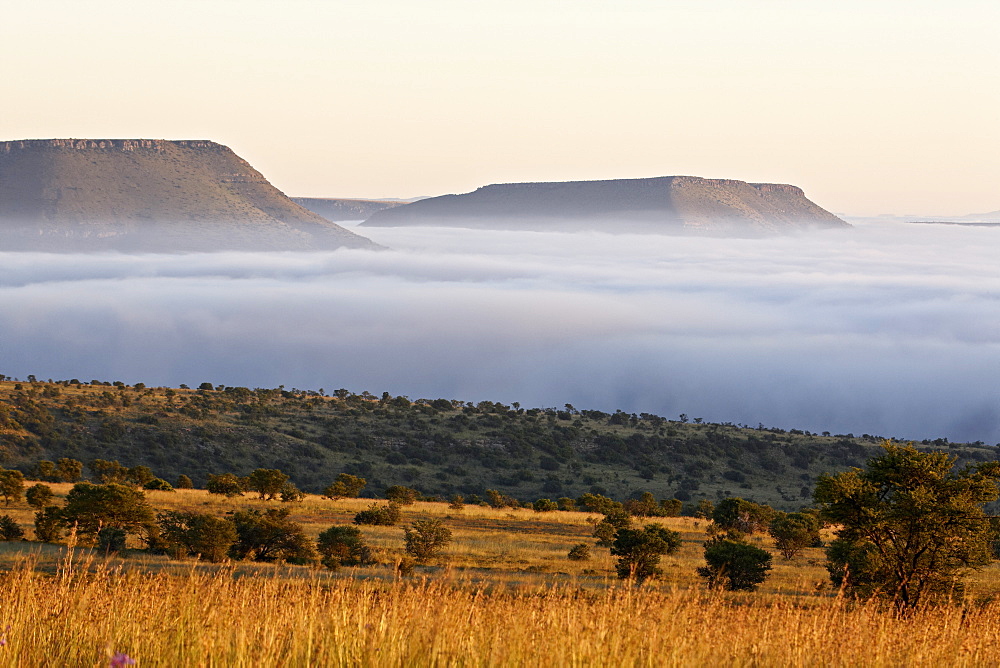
885	329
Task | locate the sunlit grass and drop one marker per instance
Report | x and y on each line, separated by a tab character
84	611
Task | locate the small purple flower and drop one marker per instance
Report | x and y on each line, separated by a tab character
121	659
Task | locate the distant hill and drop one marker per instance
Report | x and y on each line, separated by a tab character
148	195
668	204
438	446
345	209
991	217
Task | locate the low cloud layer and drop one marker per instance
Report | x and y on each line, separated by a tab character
884	329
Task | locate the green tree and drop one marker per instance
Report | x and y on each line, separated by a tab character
544	506
291	494
377	515
793	532
579	552
346	486
39	496
184	482
11	485
267	483
671	507
645	506
404	496
639	550
226	484
68	470
566	503
140	475
742	516
45	470
597	503
108	471
10	529
734	564
270	536
158	485
910	525
196	534
344	546
93	507
50	523
614	520
705	509
426	538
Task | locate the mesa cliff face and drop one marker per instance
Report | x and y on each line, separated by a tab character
148	195
668	204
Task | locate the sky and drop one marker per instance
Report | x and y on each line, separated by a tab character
886	329
873	107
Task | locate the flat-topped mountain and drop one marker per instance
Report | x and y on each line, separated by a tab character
149	195
333	208
667	204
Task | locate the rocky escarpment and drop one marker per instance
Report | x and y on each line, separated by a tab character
345	209
669	204
149	195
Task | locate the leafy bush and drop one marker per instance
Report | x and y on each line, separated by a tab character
10	529
404	496
94	507
196	534
159	484
639	550
378	515
579	552
50	523
291	494
426	538
11	485
270	536
226	484
39	496
793	532
184	482
734	564
604	531
742	516
268	483
545	506
346	486
344	546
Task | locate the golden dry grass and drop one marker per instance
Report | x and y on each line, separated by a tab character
505	594
79	616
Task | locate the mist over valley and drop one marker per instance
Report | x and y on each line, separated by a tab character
886	329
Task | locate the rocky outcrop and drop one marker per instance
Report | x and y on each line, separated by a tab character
149	195
668	204
345	209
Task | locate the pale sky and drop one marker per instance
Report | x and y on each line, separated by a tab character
870	106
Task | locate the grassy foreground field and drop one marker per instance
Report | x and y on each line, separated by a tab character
504	593
202	619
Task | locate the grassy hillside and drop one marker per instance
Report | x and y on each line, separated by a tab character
440	447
